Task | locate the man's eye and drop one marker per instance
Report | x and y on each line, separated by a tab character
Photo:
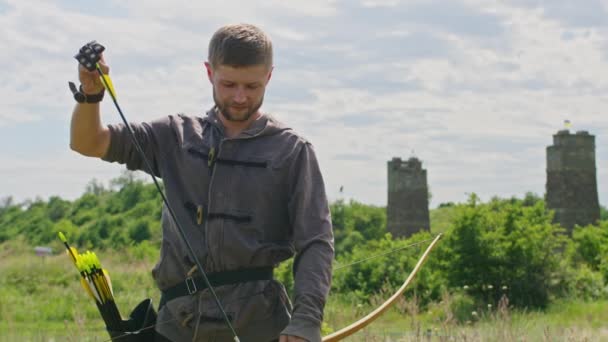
229	85
253	86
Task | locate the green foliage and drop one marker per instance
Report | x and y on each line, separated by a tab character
355	223
57	208
503	244
284	274
502	247
531	199
586	284
40	292
590	253
442	217
461	306
140	231
364	271
446	205
95	187
144	250
591	243
100	218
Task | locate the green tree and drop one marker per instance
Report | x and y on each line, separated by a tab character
591	243
95	187
140	231
355	222
57	208
591	249
503	244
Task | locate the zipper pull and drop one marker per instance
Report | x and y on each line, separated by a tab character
211	158
199	214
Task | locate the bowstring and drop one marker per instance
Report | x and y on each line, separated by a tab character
381	254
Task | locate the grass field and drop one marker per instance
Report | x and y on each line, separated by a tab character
41	300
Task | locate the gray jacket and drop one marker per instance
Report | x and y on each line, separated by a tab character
249	201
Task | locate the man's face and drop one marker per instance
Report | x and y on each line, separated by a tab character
238	92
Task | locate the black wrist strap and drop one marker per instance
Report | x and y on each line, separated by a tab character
81	97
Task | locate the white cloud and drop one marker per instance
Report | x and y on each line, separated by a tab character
380	3
475	88
63	174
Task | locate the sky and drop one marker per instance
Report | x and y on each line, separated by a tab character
473	88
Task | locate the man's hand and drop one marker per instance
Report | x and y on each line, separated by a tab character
91	84
289	338
87	134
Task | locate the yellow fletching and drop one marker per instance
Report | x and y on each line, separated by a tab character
85	284
94	291
103	287
109	281
73	253
107	83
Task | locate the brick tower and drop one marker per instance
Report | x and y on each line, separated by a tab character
571	179
408	198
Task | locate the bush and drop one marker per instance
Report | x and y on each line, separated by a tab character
355	222
144	250
365	271
591	244
586	284
461	306
284	274
140	231
503	243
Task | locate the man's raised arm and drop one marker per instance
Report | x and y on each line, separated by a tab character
87	134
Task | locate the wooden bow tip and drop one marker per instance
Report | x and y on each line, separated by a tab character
365	321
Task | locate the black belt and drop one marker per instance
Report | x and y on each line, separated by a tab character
192	285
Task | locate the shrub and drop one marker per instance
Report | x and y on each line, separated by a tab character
503	243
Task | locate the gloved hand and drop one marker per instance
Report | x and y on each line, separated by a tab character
89	78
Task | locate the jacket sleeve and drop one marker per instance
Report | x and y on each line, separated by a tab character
151	138
313	240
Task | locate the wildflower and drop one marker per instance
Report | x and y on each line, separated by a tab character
490	287
505	287
489	306
474	313
466	287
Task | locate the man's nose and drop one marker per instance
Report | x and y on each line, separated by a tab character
240	96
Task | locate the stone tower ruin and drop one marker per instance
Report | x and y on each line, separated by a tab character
571	179
408	198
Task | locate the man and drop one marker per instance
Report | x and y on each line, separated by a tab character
247	190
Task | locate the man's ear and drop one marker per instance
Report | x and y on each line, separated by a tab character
209	71
270	74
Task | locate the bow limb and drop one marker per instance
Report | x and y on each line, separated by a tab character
363	322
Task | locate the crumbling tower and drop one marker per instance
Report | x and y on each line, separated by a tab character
408	198
571	179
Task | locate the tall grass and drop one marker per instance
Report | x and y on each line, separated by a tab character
41	300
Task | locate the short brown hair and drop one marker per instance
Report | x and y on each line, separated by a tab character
240	45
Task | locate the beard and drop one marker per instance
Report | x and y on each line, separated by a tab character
238	116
